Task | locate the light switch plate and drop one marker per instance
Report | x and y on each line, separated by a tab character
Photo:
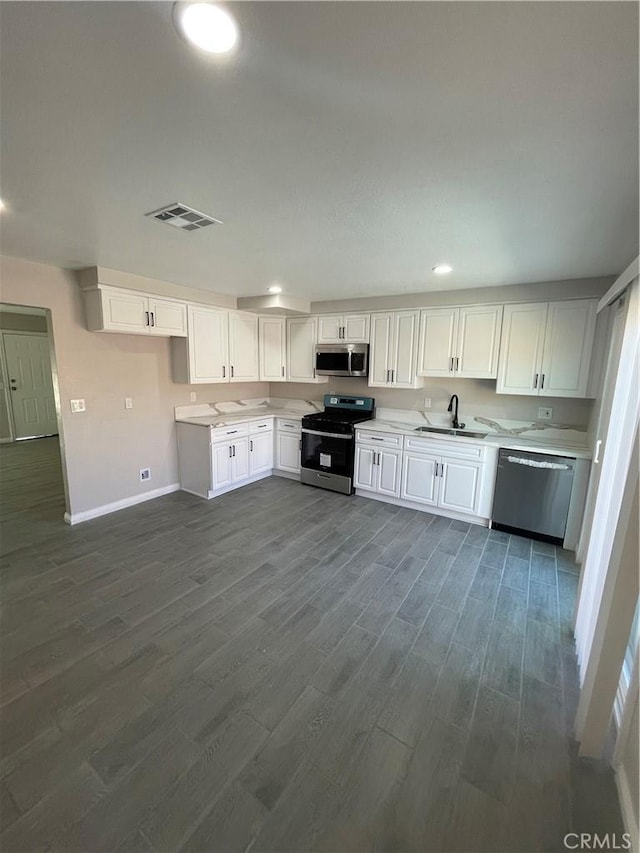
193	396
78	406
545	413
427	402
128	403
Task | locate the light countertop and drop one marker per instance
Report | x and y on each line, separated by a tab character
552	446
248	416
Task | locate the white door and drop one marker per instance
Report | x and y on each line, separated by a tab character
460	486
419	481
390	466
567	348
221	466
380	350
240	460
208	344
329	328
478	342
356	328
167	317
272	336
260	453
301	332
438	335
288	452
124	311
243	347
405	350
30	385
521	349
366	472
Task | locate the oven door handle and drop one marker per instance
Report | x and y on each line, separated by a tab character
327	434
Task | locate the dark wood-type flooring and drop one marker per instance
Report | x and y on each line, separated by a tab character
283	669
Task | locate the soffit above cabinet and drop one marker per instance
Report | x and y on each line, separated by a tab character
279	304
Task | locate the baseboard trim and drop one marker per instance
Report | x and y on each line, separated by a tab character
78	517
626	807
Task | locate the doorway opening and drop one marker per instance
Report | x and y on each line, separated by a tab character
33	487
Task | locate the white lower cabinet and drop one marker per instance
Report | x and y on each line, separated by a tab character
229	463
456	477
260	453
288	437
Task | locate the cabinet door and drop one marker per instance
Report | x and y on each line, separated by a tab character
478	342
419	481
389	469
380	350
521	348
460	486
124	311
208	344
288	452
567	348
240	460
260	453
272	336
405	350
366	473
329	328
438	335
356	328
301	341
167	318
243	347
221	466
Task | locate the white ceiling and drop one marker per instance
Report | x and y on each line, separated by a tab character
348	147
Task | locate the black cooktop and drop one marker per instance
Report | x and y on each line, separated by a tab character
344	411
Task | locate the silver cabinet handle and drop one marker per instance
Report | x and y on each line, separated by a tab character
596	455
535	381
327	434
542	382
147	323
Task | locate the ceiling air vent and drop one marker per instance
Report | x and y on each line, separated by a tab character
183	217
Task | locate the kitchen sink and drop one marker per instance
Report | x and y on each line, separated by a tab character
467	433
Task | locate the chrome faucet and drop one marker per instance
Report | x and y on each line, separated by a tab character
454	423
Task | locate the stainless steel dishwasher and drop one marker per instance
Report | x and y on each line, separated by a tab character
532	495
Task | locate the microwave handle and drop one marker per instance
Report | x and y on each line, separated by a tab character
349	362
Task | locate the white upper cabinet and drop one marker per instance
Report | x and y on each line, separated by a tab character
302	335
272	338
460	341
221	346
351	328
243	347
112	309
546	348
393	351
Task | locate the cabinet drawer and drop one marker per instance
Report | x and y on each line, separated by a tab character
285	425
229	432
261	426
453	449
379	439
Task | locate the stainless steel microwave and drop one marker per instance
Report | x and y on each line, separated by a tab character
342	359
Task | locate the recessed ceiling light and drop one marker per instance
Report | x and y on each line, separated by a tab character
442	269
275	288
207	26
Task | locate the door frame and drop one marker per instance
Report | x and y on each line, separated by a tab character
5	378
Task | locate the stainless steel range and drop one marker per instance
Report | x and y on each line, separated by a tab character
328	442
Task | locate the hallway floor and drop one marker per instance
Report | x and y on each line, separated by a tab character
283	669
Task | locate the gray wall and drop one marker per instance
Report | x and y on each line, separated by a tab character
477	397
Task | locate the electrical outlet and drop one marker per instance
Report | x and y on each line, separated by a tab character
427	402
145	474
193	396
545	413
128	403
78	406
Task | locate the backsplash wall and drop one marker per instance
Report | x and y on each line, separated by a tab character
477	397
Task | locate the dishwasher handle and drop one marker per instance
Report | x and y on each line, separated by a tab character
537	463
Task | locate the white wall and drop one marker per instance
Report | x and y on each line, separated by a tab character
107	445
